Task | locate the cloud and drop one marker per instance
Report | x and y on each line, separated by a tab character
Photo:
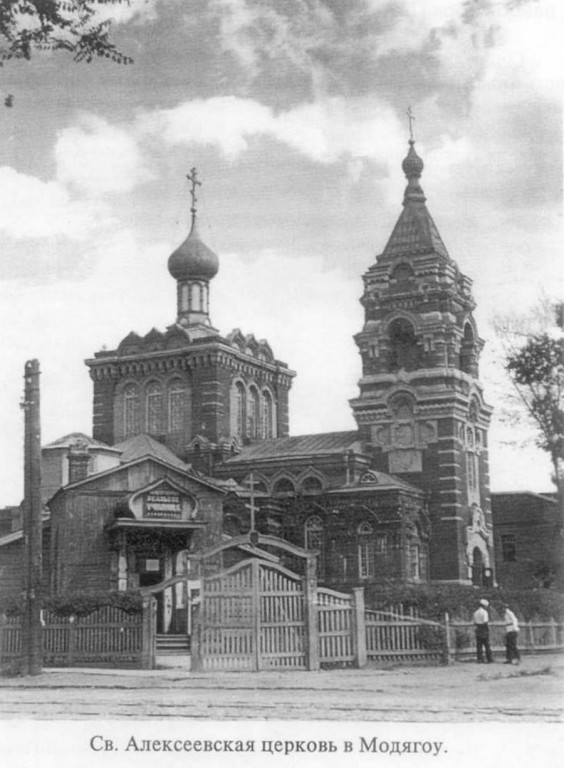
325	131
31	208
225	122
97	158
142	11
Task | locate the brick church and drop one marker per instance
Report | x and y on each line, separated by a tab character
191	431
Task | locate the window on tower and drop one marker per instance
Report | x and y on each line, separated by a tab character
253	411
131	410
238	397
177	406
155	409
404	349
267	415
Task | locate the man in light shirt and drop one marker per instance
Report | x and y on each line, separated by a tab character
481	621
512	655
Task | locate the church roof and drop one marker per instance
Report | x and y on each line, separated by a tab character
79	437
415	231
139	446
301	445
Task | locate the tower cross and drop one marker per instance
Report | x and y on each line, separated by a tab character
193	178
411	118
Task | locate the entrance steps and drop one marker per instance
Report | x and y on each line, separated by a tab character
173	645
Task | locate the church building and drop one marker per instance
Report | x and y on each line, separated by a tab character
191	443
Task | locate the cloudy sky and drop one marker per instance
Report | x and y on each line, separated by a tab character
294	114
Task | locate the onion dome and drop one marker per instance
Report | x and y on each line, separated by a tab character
193	260
412	165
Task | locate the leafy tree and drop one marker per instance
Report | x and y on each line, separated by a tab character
80	27
534	360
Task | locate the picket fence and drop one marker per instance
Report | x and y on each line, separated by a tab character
107	636
349	636
538	636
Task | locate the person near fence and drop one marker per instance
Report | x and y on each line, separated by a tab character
512	655
481	621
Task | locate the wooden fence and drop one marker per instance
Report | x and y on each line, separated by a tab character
107	636
349	635
538	636
401	636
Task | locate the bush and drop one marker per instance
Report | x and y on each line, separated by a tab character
460	601
432	638
82	604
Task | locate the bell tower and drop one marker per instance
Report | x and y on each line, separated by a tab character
420	408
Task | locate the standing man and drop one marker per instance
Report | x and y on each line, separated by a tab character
481	625
512	655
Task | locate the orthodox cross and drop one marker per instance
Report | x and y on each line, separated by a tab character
411	118
251	506
193	178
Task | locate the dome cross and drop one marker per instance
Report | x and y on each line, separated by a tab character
411	119
193	178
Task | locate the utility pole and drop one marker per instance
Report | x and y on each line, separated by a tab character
32	644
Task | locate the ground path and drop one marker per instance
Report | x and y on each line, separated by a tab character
464	692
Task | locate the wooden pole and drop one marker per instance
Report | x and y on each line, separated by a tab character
32	645
359	627
312	634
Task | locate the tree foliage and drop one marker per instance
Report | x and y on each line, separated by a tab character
80	27
537	372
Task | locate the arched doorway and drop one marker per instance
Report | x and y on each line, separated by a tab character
477	567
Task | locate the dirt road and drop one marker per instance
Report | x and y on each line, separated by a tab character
463	693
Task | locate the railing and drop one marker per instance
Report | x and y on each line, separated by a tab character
108	635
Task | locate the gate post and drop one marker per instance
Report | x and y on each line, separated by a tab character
312	630
148	633
196	640
358	627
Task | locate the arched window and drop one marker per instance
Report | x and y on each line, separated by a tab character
415	557
468	351
314	538
402	277
184	297
311	485
365	550
472	471
195	297
404	352
253	413
477	567
131	410
238	397
177	405
283	487
155	409
267	415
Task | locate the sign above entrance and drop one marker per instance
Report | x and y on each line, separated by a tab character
162	503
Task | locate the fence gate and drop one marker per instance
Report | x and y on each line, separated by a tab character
253	616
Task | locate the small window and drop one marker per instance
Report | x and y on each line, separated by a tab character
365	551
508	549
312	485
284	487
381	544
